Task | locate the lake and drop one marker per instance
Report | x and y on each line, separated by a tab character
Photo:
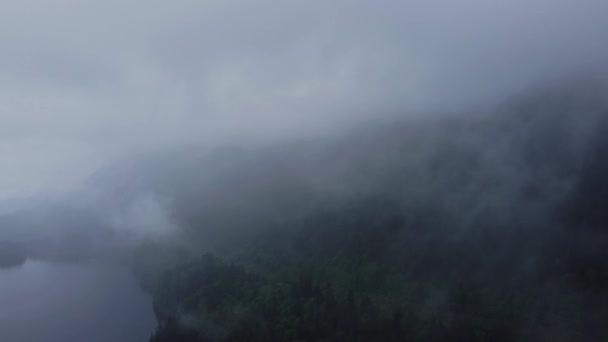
48	302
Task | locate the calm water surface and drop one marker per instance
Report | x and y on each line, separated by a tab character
48	302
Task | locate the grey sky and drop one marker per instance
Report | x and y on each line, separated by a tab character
85	82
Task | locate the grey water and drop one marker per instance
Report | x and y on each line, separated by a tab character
47	302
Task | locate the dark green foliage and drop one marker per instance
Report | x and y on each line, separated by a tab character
367	273
587	205
304	309
171	331
379	240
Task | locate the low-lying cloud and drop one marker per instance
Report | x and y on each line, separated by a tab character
84	83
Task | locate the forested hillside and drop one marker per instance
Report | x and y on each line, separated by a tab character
484	227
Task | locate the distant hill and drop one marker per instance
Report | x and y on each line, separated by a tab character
486	226
476	227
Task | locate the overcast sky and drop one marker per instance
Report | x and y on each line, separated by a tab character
85	82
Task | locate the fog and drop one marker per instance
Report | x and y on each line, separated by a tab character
188	127
85	83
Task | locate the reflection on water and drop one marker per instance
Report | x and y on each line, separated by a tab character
50	302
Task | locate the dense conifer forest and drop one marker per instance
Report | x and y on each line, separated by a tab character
474	228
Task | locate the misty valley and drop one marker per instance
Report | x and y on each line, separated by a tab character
304	171
489	226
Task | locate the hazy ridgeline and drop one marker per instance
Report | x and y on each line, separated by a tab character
485	226
304	171
472	226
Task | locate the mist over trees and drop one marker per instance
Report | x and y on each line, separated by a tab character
484	227
312	170
480	226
